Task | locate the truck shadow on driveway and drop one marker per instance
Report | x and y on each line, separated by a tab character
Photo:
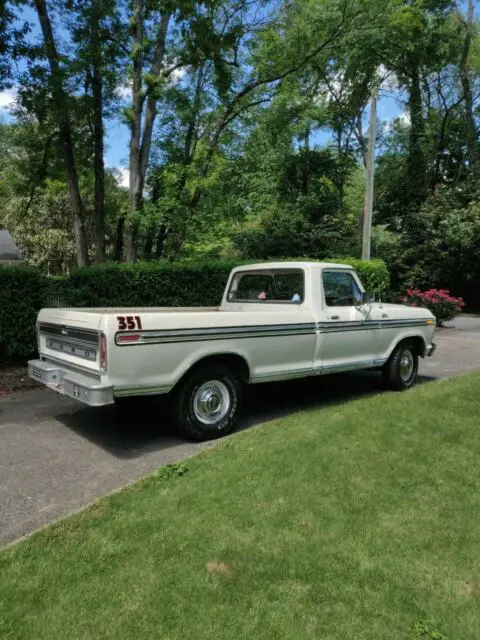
146	427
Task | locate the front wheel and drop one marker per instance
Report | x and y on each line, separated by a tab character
207	403
400	372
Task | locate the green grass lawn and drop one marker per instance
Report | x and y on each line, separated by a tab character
358	520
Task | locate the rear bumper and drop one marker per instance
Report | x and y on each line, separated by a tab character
68	383
431	349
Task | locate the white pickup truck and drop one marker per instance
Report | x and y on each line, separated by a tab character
277	321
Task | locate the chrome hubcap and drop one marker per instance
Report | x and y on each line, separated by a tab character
406	366
211	402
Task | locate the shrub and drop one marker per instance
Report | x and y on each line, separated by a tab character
58	292
163	284
439	301
441	248
22	295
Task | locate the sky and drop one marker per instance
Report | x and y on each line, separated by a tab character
117	133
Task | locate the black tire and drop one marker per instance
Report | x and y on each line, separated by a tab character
221	387
400	372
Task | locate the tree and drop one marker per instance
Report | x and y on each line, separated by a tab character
13	44
144	105
98	129
413	46
465	73
228	101
98	35
61	106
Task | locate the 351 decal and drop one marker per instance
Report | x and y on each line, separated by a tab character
129	323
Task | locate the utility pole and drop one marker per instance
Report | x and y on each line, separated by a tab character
367	214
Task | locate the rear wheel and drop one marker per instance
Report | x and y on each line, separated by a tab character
207	403
400	372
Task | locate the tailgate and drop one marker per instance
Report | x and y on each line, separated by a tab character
70	336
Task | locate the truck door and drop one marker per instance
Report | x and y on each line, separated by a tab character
346	336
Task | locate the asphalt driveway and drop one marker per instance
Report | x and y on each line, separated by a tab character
57	456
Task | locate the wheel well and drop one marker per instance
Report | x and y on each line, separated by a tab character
418	342
232	361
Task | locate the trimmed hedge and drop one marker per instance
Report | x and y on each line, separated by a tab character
24	291
22	295
162	284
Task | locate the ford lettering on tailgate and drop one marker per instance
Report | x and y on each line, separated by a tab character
72	350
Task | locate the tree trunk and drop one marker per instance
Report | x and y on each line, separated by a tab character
161	239
149	241
140	143
98	132
417	166
135	189
119	239
191	134
61	106
436	173
467	90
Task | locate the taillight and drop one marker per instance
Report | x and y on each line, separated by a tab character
103	352
127	338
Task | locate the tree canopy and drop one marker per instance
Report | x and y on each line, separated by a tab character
247	130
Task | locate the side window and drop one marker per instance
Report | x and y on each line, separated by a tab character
340	289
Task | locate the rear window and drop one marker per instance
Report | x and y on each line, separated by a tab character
268	286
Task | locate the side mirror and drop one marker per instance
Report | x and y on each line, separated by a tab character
367	298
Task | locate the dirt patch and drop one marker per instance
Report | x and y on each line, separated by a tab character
15	379
468	589
219	567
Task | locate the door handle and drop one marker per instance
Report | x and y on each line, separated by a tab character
384	315
334	317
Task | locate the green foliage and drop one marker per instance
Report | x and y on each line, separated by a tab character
428	630
150	284
294	199
286	231
34	200
58	291
442	248
22	295
171	471
243	97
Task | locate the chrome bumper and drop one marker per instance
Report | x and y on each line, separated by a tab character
71	384
431	349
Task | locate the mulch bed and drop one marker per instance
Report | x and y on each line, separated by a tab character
15	378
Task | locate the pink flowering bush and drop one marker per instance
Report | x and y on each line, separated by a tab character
439	301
